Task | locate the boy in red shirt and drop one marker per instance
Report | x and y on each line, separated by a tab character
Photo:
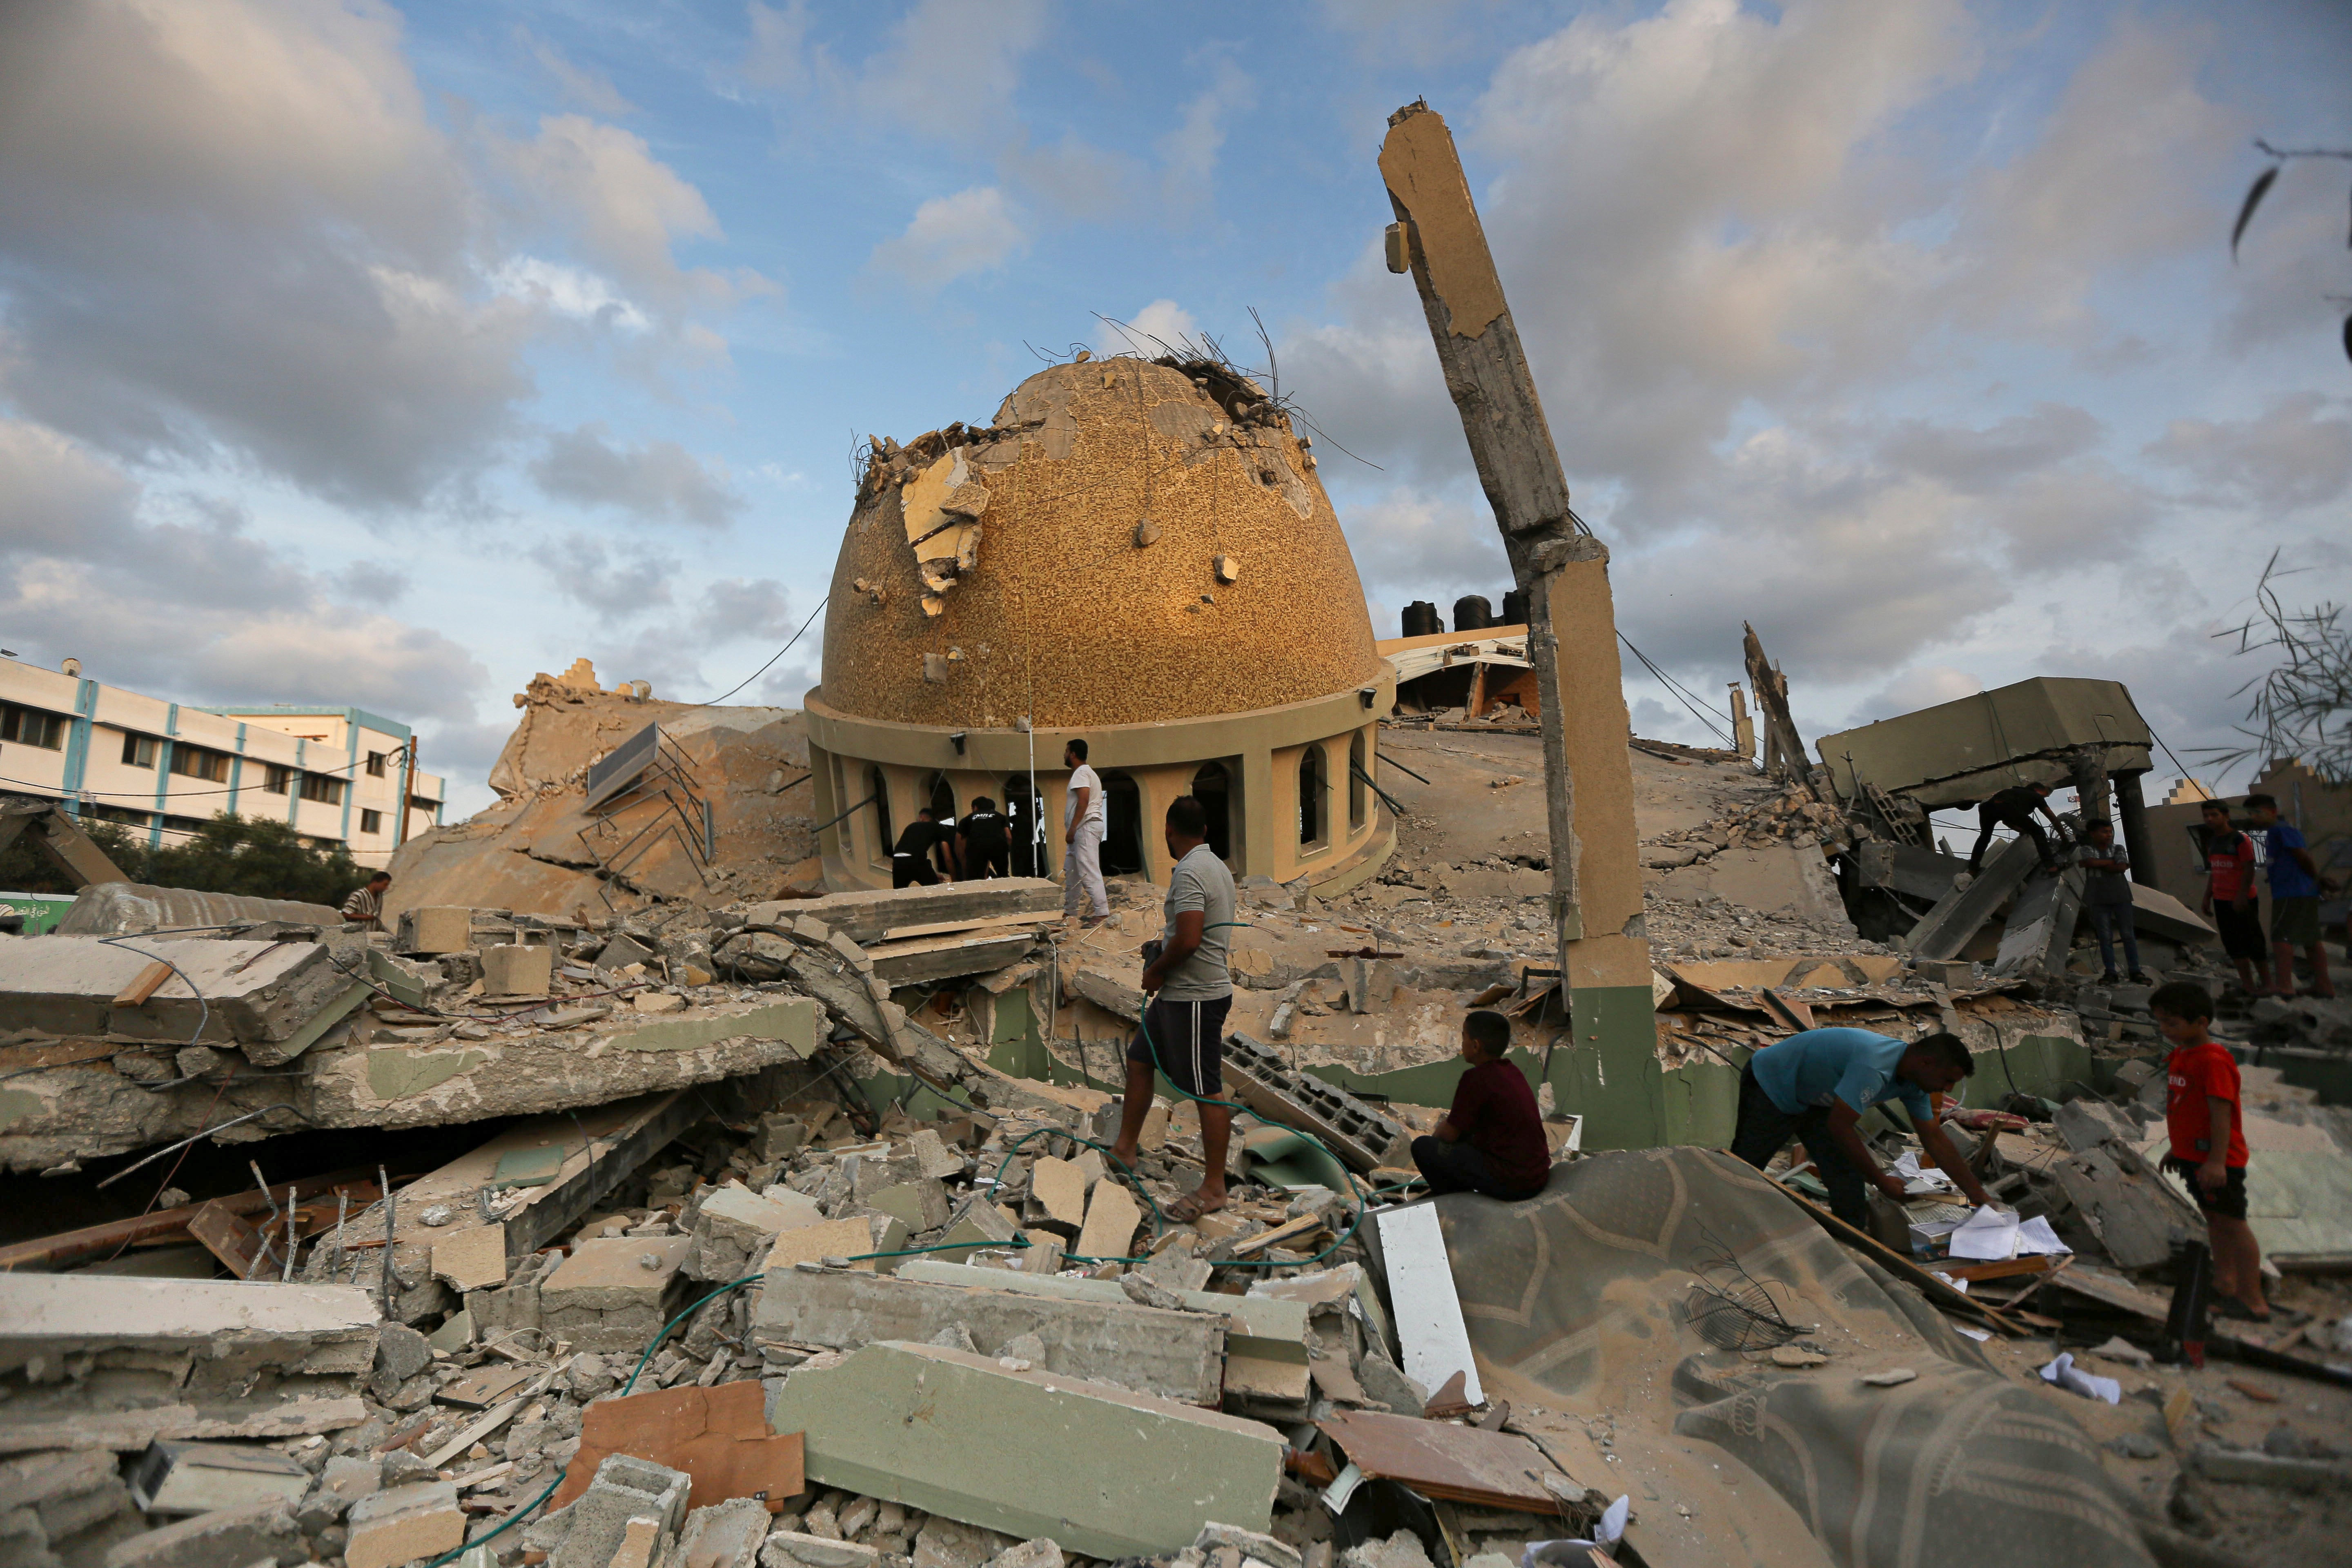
2230	898
2208	1143
1492	1141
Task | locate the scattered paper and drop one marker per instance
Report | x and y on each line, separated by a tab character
2036	1237
1920	1180
1342	1488
1987	1236
1980	1335
1606	1534
1960	1285
2073	1379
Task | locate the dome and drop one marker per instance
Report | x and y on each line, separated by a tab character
1130	542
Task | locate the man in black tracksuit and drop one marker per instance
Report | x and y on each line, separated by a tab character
2014	808
987	845
910	860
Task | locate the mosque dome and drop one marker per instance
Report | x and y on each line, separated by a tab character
1130	542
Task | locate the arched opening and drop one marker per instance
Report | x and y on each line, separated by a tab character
883	836
1122	845
943	801
1021	815
1314	826
1357	771
1212	788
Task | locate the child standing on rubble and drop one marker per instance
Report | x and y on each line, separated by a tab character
2208	1143
2229	864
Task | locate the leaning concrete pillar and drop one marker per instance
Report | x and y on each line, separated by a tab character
2131	810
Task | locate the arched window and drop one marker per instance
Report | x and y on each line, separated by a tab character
1212	787
943	801
1357	770
1027	860
1314	827
879	788
1122	845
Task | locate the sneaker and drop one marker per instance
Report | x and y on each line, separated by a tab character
2110	978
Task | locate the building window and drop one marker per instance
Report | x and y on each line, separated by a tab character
375	764
1312	829
371	821
1122	844
1212	787
196	762
1029	857
183	824
324	790
422	803
277	779
138	751
32	726
1355	772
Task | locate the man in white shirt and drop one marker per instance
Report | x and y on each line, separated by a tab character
363	910
1082	837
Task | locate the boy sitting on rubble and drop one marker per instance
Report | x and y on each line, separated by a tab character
1492	1141
2208	1143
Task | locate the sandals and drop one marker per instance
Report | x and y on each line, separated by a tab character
1190	1207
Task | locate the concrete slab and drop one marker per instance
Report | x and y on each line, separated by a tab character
1030	1453
734	1226
403	1524
1060	1189
839	1238
261	1532
1111	1219
1264	1326
1176	1355
867	916
605	1298
311	1329
252	994
474	1258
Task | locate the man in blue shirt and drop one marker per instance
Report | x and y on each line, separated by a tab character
1816	1085
2296	886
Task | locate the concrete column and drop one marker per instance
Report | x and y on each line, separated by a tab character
2131	809
1255	818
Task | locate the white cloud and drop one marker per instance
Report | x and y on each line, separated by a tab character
1153	331
660	481
626	206
572	292
974	230
1189	151
950	66
618	584
2295	454
1921	686
592	90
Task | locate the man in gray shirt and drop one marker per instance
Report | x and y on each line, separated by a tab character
2107	897
1183	1032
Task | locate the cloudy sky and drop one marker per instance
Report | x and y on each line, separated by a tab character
355	352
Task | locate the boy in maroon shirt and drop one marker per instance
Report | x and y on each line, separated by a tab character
2208	1143
1492	1141
2230	898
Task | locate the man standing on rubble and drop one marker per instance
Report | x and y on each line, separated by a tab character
2230	863
363	910
1816	1085
2295	887
2108	896
1082	837
2014	808
1183	1029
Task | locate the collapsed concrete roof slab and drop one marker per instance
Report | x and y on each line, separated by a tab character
118	909
247	993
1959	753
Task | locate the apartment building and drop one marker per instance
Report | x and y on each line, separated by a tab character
336	774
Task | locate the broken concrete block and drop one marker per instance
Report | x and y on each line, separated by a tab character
944	1543
595	1524
980	1223
1250	1543
314	1330
921	1204
1060	1189
61	1493
205	1477
734	1226
402	1525
1038	1554
516	971
791	1549
854	1415
261	1532
851	1238
351	1478
1111	1219
434	929
623	949
658	1001
474	1258
724	1535
1174	1354
614	1294
933	1158
1257	1328
779	1138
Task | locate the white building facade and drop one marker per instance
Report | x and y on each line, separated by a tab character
337	775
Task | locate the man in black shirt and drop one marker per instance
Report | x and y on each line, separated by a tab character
911	861
2014	808
987	838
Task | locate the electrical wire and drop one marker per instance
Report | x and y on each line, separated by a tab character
1678	692
780	653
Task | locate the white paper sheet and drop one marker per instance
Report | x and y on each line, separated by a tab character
1919	1180
1988	1236
2073	1379
2036	1237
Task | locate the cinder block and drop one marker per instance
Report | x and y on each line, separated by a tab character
405	1523
597	1524
434	929
605	1298
517	971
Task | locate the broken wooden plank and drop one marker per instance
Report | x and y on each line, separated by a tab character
150	980
101	1240
1304	1225
1936	1290
950	928
2033	1263
1459	1464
